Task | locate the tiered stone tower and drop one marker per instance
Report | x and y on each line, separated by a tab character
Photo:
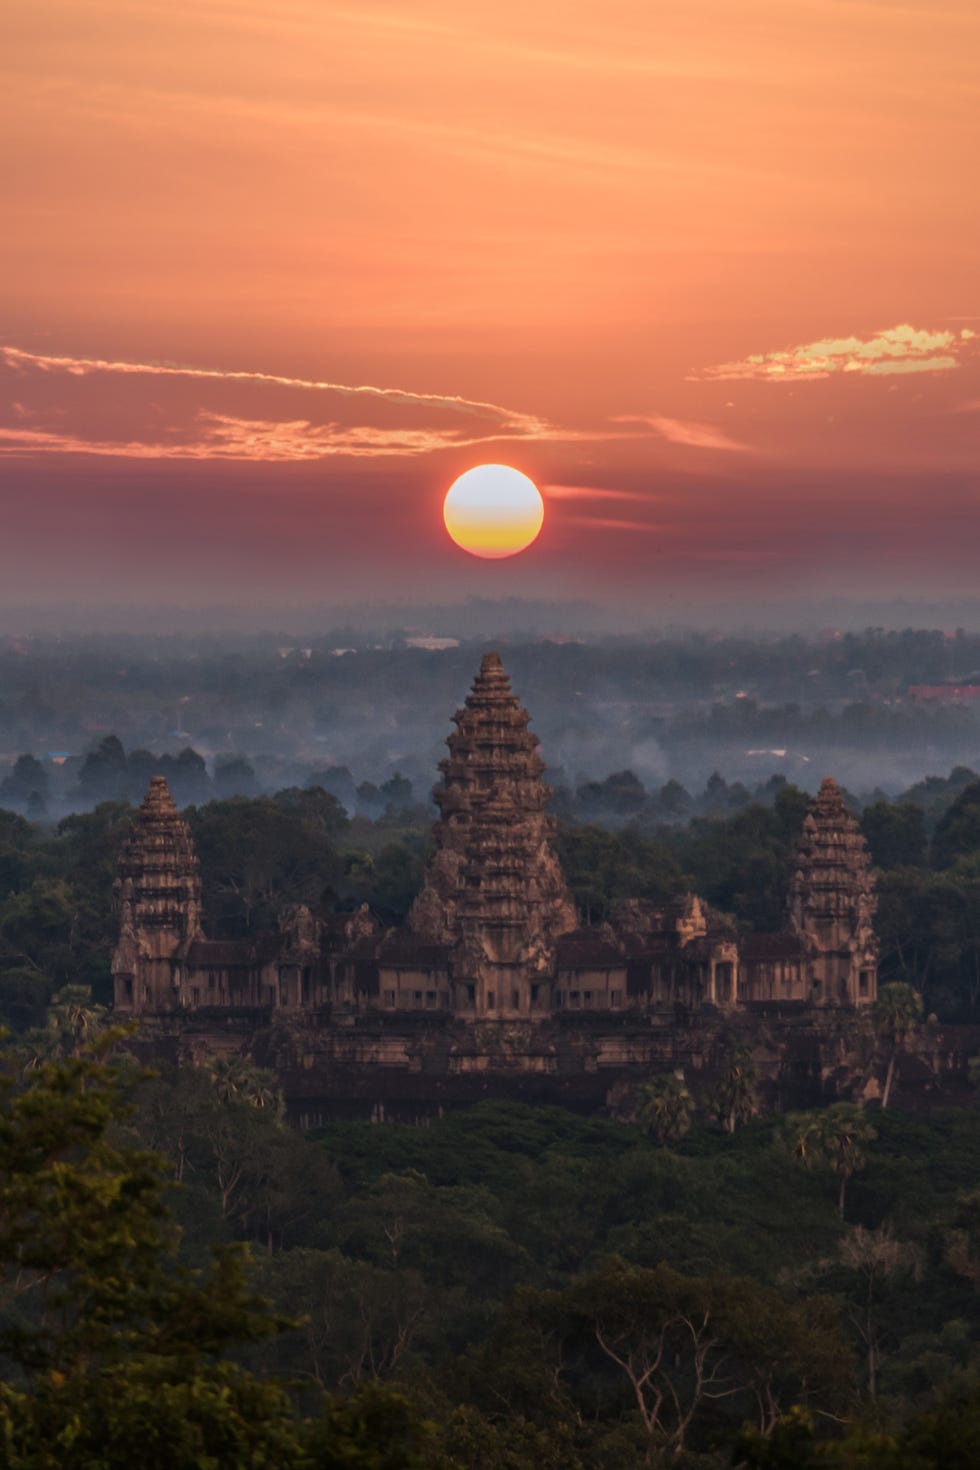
159	889
832	903
494	890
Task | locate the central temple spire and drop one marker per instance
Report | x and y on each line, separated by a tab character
494	889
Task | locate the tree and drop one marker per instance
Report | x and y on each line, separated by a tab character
871	1257
96	1316
841	1131
958	829
665	1109
896	1013
28	778
104	773
120	1352
831	1140
734	1097
896	833
685	1344
235	776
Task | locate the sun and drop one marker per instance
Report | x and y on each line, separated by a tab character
493	511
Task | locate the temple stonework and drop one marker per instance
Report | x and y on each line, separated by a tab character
159	890
494	935
494	894
832	902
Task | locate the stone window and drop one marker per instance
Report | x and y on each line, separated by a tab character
471	994
417	997
535	992
196	995
515	1000
389	998
864	982
574	998
430	999
587	998
615	999
491	1000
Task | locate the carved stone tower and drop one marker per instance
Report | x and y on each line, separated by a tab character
494	890
159	892
832	903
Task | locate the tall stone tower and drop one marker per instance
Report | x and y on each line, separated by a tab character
494	890
159	891
832	903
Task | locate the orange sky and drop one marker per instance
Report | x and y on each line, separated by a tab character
274	272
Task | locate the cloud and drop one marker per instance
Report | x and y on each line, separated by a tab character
901	349
680	431
59	405
589	492
225	437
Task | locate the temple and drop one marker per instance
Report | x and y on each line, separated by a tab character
494	935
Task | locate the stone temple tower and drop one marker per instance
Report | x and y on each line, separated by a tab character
494	890
832	903
159	892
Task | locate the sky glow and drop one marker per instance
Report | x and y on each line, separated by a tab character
274	275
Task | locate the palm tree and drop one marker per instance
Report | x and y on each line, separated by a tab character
735	1098
841	1131
799	1135
665	1109
896	1013
237	1080
73	1021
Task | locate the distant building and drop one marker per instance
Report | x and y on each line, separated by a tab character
945	693
494	935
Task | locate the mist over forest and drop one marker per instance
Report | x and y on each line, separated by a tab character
242	714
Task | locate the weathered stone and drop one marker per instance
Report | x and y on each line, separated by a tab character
832	903
159	895
494	891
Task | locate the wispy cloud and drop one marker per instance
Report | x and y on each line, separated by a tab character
81	367
225	437
58	405
161	410
681	431
901	349
590	493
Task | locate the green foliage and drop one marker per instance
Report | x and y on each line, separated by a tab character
603	866
742	864
665	1109
896	1013
257	855
832	1140
734	1097
957	832
116	1354
896	834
